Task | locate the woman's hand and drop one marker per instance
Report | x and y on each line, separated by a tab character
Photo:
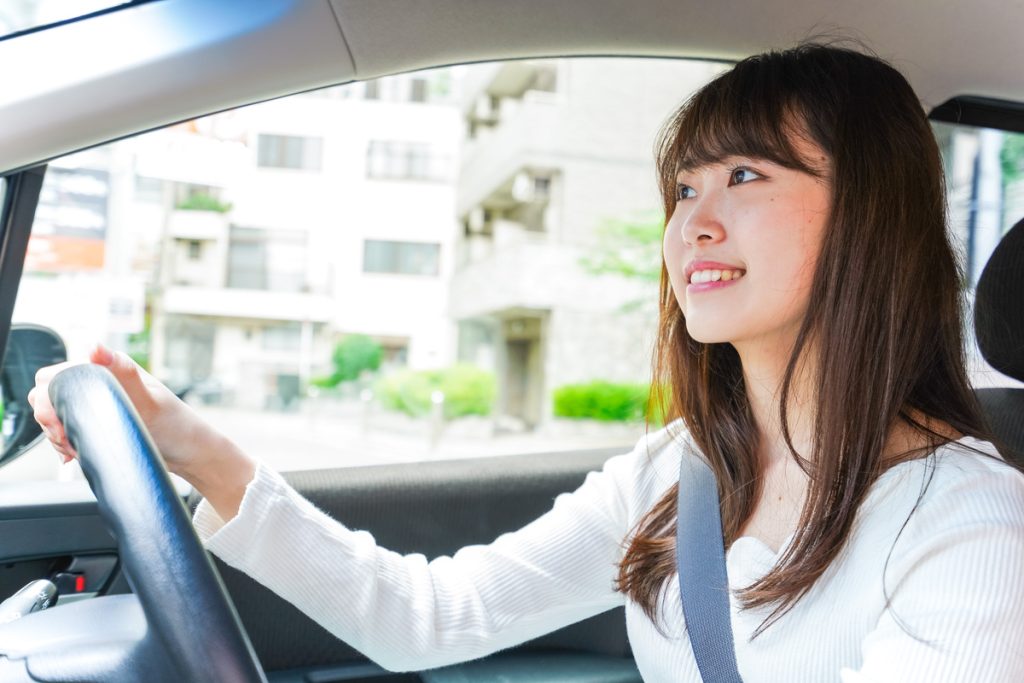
178	432
190	447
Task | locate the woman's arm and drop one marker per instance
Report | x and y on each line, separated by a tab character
406	613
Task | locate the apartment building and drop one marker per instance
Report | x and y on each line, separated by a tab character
333	215
556	149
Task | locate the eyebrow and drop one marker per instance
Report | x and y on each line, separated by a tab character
688	168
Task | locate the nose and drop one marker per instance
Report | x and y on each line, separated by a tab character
702	221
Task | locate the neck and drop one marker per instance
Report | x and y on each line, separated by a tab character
764	367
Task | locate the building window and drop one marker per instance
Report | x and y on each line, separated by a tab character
195	250
405	161
418	90
546	78
394	355
290	151
267	259
284	337
405	258
372	91
149	190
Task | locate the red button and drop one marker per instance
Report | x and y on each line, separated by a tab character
79	584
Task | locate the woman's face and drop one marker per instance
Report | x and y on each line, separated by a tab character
753	219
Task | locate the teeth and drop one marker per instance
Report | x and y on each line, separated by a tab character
701	276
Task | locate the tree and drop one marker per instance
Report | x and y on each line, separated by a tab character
629	248
1011	158
352	356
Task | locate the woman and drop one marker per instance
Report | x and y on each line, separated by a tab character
810	350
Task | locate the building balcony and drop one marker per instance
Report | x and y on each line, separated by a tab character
523	276
197	225
538	275
525	138
248	303
498	236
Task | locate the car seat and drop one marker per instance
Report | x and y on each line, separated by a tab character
999	328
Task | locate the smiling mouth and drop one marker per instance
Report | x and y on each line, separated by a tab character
715	275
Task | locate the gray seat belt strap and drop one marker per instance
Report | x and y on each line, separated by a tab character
703	583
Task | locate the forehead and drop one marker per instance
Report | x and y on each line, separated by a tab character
809	158
725	162
719	133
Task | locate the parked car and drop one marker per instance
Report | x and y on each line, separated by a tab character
139	599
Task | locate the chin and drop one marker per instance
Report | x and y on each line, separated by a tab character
709	334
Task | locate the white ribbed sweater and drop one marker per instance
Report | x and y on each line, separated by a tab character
955	576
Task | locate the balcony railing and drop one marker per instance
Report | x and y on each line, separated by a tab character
498	235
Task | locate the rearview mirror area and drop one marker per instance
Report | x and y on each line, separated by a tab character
29	348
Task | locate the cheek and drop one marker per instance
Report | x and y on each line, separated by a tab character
672	252
792	251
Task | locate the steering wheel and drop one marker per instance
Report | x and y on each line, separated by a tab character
185	603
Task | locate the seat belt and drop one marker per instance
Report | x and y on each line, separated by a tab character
703	582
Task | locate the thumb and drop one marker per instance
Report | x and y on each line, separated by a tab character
121	366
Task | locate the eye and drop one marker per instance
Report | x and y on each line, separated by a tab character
740	175
682	190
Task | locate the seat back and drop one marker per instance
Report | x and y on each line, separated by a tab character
999	328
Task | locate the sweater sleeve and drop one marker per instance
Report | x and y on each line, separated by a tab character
955	582
406	613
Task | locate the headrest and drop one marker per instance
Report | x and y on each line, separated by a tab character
999	306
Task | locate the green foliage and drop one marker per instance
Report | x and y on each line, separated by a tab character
605	401
1011	158
203	202
468	390
352	356
630	249
139	342
326	382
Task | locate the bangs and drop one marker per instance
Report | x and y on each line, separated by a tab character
748	111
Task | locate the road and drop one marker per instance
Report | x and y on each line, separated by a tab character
342	436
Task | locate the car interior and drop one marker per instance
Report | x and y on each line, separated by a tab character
158	615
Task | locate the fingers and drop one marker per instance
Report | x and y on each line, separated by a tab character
125	370
45	415
45	374
58	440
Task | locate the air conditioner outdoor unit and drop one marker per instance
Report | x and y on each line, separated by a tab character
529	187
476	220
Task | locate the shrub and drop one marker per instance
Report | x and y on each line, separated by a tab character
352	356
203	202
468	390
601	400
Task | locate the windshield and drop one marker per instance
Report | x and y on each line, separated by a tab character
23	15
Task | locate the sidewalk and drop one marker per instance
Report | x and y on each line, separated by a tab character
335	436
311	440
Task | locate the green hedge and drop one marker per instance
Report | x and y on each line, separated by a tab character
468	390
601	400
203	202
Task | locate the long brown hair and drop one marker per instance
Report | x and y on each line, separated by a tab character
884	310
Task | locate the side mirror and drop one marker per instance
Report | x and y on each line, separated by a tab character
29	348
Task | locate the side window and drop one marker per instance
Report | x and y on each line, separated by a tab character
456	262
985	188
416	267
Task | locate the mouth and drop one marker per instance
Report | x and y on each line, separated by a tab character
706	280
709	275
699	271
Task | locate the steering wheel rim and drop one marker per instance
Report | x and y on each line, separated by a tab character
165	563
